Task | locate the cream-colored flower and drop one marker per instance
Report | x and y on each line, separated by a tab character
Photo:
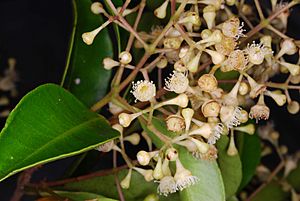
143	90
178	82
167	185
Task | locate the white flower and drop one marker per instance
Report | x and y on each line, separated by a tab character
216	133
143	90
166	186
231	116
257	52
232	28
178	82
183	177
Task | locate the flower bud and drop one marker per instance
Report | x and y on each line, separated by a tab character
287	47
175	123
250	129
215	37
134	138
125	57
126	119
292	68
216	57
165	167
125	183
157	172
244	116
187	114
191	18
209	15
266	41
162	63
210	108
277	96
109	63
232	150
146	173
97	8
256	88
89	37
172	43
171	154
208	83
243	89
293	107
143	158
181	100
180	67
193	64
161	11
202	146
206	33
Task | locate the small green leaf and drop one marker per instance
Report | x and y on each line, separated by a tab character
49	123
84	75
81	196
106	186
230	166
249	151
210	185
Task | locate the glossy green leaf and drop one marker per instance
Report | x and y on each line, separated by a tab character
230	166
249	151
106	186
80	196
210	185
49	123
84	75
273	191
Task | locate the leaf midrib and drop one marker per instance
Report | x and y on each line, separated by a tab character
63	135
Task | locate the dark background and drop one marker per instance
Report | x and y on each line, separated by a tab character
36	33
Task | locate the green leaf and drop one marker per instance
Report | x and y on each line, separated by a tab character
249	151
106	186
273	191
81	196
84	64
294	178
49	123
230	166
210	185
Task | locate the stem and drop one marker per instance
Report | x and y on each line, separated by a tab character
259	10
272	175
81	178
271	28
265	22
137	20
23	180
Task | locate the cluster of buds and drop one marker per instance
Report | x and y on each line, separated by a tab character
200	41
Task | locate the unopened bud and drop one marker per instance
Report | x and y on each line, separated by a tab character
125	183
125	57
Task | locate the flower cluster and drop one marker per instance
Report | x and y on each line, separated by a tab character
202	43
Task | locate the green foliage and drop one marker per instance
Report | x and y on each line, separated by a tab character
230	166
106	186
210	184
249	151
84	63
49	123
80	196
273	191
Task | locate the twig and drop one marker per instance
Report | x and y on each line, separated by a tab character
23	179
272	175
80	178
